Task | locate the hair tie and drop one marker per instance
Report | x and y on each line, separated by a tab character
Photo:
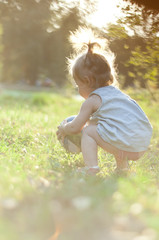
91	46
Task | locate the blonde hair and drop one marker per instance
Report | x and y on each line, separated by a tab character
92	58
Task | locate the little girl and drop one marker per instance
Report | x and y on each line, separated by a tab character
115	122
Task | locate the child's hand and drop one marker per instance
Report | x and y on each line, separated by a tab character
60	132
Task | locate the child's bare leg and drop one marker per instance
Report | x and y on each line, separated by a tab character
90	141
89	148
122	158
122	163
89	145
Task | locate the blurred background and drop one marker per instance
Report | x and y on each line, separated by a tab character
40	196
34	39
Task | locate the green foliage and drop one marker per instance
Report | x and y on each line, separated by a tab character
137	54
116	32
40	192
123	45
24	31
146	62
35	38
140	22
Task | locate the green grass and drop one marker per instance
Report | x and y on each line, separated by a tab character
40	192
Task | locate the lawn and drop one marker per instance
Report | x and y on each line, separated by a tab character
41	195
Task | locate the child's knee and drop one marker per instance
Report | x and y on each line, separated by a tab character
85	131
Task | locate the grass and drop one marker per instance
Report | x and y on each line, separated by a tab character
41	197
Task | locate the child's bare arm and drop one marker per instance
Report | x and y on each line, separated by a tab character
88	107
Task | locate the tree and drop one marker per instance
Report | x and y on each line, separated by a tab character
152	5
24	31
122	44
34	37
57	47
146	63
144	58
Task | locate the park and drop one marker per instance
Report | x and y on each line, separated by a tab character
42	197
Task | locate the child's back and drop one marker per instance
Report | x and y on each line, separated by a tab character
121	122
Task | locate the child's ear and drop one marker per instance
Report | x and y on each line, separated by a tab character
89	81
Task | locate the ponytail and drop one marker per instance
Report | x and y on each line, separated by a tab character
92	61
